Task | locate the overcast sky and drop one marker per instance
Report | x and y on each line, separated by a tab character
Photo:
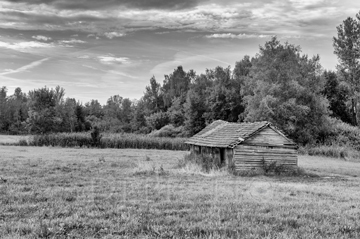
99	48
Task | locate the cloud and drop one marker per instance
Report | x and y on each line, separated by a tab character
111	35
41	38
72	41
25	45
108	60
93	35
25	68
234	36
105	59
108	4
115	18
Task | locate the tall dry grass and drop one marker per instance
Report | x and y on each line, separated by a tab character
109	140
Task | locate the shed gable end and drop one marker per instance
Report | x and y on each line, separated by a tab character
267	136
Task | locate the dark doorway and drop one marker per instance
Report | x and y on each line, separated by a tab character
222	157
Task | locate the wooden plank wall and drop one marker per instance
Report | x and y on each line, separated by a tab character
206	151
267	136
229	154
248	156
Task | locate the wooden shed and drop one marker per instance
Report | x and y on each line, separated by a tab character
245	145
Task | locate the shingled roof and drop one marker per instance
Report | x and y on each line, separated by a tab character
224	134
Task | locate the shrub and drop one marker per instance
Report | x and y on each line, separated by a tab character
168	131
269	167
96	137
344	135
23	142
158	120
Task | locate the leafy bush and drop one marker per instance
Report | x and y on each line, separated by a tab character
158	120
344	135
269	167
96	137
169	131
343	141
23	142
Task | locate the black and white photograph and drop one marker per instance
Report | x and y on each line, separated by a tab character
180	119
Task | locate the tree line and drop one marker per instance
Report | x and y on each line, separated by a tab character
279	84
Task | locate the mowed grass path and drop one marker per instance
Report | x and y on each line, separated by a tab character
109	193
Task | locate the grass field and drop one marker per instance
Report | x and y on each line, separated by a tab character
55	192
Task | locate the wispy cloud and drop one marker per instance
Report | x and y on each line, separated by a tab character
109	59
108	4
111	35
25	68
111	19
25	45
93	35
41	38
72	41
237	36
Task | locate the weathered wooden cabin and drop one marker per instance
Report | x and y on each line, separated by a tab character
245	145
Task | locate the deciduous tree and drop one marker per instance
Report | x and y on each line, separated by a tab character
286	90
347	49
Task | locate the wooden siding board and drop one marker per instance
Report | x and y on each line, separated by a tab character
267	136
229	156
252	156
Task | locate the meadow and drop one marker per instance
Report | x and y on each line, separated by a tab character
53	192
